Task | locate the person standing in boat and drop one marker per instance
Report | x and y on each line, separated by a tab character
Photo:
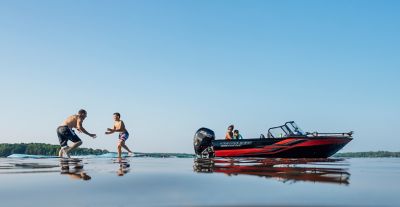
229	133
65	132
236	134
119	126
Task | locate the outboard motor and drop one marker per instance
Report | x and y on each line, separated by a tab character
202	143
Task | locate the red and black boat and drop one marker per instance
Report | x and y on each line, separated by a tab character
285	141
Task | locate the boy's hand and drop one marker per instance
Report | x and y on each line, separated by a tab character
93	136
108	129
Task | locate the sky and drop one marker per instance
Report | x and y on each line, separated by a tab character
171	67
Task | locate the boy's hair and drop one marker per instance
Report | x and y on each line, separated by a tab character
82	111
236	131
117	114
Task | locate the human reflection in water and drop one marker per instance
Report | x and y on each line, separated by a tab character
285	170
123	166
73	168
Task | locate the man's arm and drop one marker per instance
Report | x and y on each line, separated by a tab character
83	130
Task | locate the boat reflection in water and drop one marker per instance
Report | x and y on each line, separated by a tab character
333	171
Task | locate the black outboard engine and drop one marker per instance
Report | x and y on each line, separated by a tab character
202	143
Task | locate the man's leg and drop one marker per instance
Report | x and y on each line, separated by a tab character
63	139
76	140
74	146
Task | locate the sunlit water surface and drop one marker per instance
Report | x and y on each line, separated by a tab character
93	181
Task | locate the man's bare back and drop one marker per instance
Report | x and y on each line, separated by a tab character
71	122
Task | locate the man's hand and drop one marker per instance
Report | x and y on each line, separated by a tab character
108	132
93	136
109	129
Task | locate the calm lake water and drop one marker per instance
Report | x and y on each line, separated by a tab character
189	182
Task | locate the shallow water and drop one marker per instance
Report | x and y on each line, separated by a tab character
190	182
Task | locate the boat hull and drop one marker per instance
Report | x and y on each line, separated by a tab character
291	147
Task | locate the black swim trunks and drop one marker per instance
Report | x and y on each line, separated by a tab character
64	134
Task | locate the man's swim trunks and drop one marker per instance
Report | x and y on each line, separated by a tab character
64	134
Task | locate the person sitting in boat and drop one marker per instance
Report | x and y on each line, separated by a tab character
229	133
236	134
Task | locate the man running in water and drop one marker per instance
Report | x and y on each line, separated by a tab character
119	126
65	132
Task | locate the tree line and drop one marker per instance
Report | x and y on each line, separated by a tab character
52	150
43	149
369	154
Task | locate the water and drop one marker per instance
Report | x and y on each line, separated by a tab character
138	181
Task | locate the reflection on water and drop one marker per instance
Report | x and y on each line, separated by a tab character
20	166
215	182
73	167
76	168
123	166
332	171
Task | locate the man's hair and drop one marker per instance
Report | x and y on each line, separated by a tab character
82	111
231	126
117	114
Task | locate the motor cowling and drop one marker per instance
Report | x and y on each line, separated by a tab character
202	141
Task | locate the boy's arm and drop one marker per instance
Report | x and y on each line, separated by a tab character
110	131
121	128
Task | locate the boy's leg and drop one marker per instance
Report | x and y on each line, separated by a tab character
119	150
122	138
125	147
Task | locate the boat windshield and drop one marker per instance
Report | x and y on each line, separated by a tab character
295	130
288	129
278	132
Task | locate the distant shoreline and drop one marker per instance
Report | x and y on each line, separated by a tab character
369	154
7	149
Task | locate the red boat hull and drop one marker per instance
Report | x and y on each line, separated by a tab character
291	147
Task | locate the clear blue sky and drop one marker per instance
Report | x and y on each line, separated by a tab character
170	67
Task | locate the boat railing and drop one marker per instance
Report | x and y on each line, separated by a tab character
319	134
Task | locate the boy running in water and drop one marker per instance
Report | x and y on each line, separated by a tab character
119	126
